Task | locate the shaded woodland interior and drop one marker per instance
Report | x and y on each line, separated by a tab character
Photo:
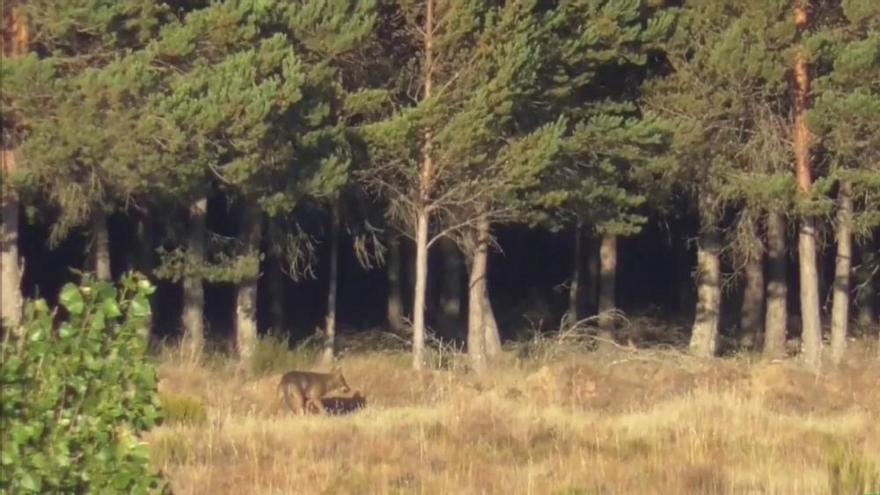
527	276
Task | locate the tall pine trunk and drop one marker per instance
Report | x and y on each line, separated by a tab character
607	283
193	286
395	293
16	41
752	311
10	284
843	265
423	209
246	301
776	321
477	306
704	335
330	330
491	333
101	246
574	290
811	333
420	292
866	296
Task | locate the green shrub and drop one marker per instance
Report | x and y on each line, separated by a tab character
76	395
182	409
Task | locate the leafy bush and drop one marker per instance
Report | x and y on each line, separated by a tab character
183	409
77	394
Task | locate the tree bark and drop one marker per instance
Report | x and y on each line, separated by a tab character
492	337
476	302
752	311
420	290
574	290
101	246
193	286
395	294
776	320
246	302
450	290
10	297
704	336
423	209
607	282
811	334
16	41
330	330
843	265
866	296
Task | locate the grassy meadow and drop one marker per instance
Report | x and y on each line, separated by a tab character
549	418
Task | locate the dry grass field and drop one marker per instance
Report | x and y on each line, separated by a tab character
613	421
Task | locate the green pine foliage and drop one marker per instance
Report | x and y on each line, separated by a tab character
846	114
77	395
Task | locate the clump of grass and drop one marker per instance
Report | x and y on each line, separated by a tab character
183	409
851	473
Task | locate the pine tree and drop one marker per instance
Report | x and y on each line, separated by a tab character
254	109
846	118
455	157
723	99
600	51
85	140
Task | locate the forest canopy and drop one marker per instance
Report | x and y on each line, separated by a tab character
460	170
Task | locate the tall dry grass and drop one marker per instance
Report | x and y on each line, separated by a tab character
568	422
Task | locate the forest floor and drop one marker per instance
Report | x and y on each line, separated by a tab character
545	419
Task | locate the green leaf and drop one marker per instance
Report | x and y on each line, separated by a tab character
140	306
29	482
72	300
111	307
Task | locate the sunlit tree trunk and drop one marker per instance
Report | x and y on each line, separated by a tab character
843	265
423	210
10	286
246	301
420	292
476	341
752	311
101	246
16	40
811	333
704	335
193	286
776	319
491	334
607	283
395	294
330	330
